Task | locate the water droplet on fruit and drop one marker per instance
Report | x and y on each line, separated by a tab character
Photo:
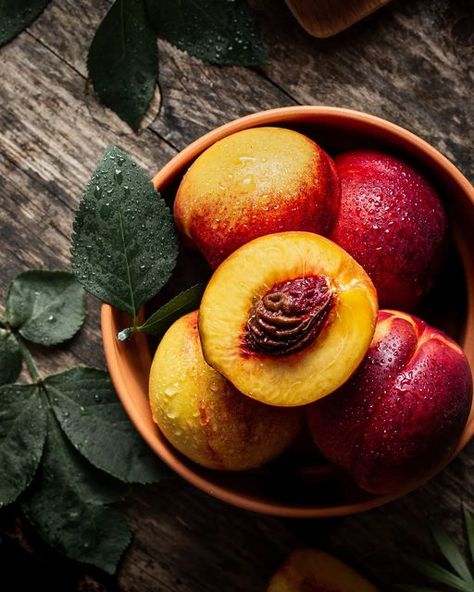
170	391
51	318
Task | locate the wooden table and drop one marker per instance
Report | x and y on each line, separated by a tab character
410	63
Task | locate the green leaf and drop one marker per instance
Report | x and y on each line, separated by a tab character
123	61
10	357
439	574
469	521
88	411
16	15
67	506
22	435
47	307
124	244
215	31
175	308
452	554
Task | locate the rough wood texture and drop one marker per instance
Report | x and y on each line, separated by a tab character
409	62
324	18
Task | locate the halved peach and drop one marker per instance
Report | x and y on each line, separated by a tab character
310	570
287	318
204	416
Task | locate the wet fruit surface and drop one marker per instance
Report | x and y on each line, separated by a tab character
310	570
402	412
392	221
204	416
252	183
272	286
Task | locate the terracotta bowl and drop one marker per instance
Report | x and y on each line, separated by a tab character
294	486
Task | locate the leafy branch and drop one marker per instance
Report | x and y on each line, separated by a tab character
123	59
67	449
124	244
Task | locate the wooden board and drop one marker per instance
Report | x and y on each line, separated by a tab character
324	18
409	63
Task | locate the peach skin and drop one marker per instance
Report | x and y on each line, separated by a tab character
392	221
204	416
403	411
255	182
310	570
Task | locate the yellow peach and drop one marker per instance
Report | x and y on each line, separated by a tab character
204	416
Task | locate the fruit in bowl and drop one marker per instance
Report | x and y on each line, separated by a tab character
252	183
402	412
337	130
392	221
287	318
204	416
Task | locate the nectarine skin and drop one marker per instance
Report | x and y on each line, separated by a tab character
204	416
252	183
402	412
392	221
311	570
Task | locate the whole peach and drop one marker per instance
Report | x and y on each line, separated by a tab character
402	412
252	183
392	221
204	416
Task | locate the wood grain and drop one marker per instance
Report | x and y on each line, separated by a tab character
324	18
408	62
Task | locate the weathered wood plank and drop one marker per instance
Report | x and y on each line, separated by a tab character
409	63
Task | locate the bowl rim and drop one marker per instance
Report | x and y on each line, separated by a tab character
280	115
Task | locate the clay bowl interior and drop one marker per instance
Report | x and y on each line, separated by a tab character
301	483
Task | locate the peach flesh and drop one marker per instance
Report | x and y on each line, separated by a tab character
327	361
392	221
253	183
290	316
404	409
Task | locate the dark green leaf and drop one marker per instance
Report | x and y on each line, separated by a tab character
215	31
16	15
469	521
22	435
87	408
47	307
10	357
439	574
450	551
67	506
178	306
124	245
123	61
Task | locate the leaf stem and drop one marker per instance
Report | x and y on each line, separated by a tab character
29	361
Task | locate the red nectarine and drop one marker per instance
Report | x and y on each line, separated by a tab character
402	412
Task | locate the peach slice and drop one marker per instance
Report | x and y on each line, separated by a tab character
402	412
287	318
256	182
204	416
310	570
